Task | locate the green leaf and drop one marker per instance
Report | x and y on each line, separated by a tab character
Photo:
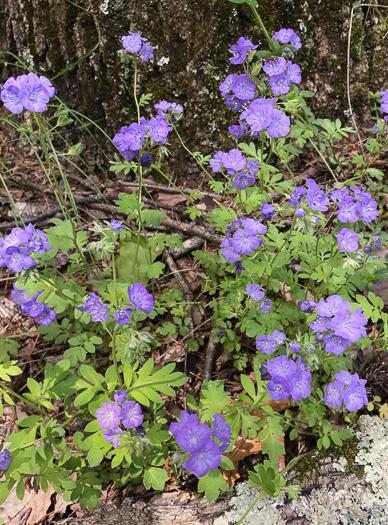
153	270
211	484
326	441
213	398
133	254
247	383
154	477
90	375
95	456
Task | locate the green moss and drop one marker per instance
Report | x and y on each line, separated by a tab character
308	468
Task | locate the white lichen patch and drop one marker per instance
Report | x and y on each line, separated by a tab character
104	7
356	502
28	58
163	61
265	511
355	505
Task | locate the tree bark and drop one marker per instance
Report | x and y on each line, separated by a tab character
192	38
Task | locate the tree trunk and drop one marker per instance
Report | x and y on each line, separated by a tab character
192	38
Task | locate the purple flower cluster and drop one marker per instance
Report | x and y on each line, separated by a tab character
30	305
351	209
268	344
234	161
256	294
281	74
288	379
5	459
288	36
111	415
341	326
244	240
132	139
198	440
262	115
240	50
135	43
31	92
347	389
97	310
16	248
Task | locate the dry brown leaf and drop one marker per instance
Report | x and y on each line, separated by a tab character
243	448
39	503
172	199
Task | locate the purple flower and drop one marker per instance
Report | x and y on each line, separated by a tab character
260	113
146	52
348	210
280	337
334	344
278	388
97	310
243	88
234	159
266	344
146	160
116	225
221	430
113	436
33	307
355	398
339	195
368	209
256	226
349	326
332	306
275	67
300	385
122	316
334	395
19	296
265	306
158	130
316	198
297	196
132	42
282	367
17	259
299	212
37	240
245	241
46	316
319	324
243	180
252	166
268	211
34	96
109	415
227	84
294	347
280	84
345	378
236	131
234	103
229	252
11	94
279	126
293	72
205	459
284	35
216	162
307	306
240	50
140	431
5	459
131	414
120	396
318	337
254	291
140	298
134	135
193	436
347	240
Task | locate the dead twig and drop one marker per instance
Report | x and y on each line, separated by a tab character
209	359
